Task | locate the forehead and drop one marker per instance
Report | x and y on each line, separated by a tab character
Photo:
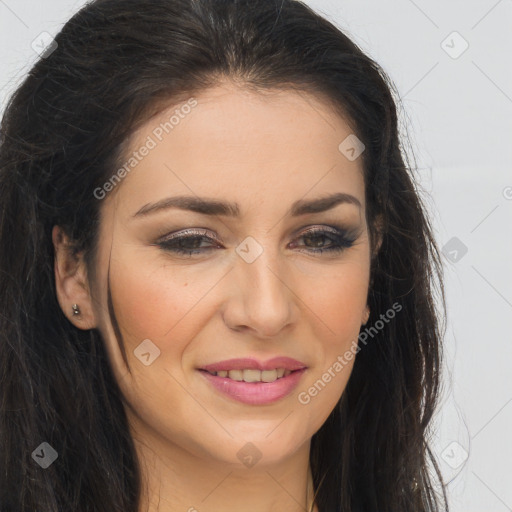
236	143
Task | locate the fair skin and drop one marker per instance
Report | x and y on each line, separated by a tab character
263	152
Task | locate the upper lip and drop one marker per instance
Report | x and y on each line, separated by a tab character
253	364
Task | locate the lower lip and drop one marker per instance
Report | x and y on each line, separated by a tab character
255	393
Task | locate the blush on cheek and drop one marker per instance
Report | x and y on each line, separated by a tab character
339	304
144	306
159	302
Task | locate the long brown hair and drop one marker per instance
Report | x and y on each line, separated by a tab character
115	64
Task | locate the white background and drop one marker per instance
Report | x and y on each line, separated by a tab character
458	113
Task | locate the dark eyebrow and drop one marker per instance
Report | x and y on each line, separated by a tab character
208	206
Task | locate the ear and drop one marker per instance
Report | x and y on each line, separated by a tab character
365	316
71	282
379	235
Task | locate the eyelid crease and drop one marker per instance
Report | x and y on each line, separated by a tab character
188	231
339	230
340	239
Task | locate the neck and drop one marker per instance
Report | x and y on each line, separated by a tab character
175	479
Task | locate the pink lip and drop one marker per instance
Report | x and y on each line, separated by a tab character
253	364
255	393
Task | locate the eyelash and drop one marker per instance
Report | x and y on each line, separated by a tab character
340	239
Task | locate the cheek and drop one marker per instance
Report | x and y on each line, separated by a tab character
161	302
337	296
166	303
173	305
145	306
337	302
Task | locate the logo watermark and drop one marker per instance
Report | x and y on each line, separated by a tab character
304	397
150	143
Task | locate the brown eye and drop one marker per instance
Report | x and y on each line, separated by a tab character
322	240
188	242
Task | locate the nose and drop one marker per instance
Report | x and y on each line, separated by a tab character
264	300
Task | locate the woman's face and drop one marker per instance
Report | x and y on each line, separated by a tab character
250	284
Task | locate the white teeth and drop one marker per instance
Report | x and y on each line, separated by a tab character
236	375
252	375
269	375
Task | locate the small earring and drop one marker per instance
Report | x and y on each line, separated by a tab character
76	309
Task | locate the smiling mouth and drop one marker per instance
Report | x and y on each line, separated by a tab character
252	375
